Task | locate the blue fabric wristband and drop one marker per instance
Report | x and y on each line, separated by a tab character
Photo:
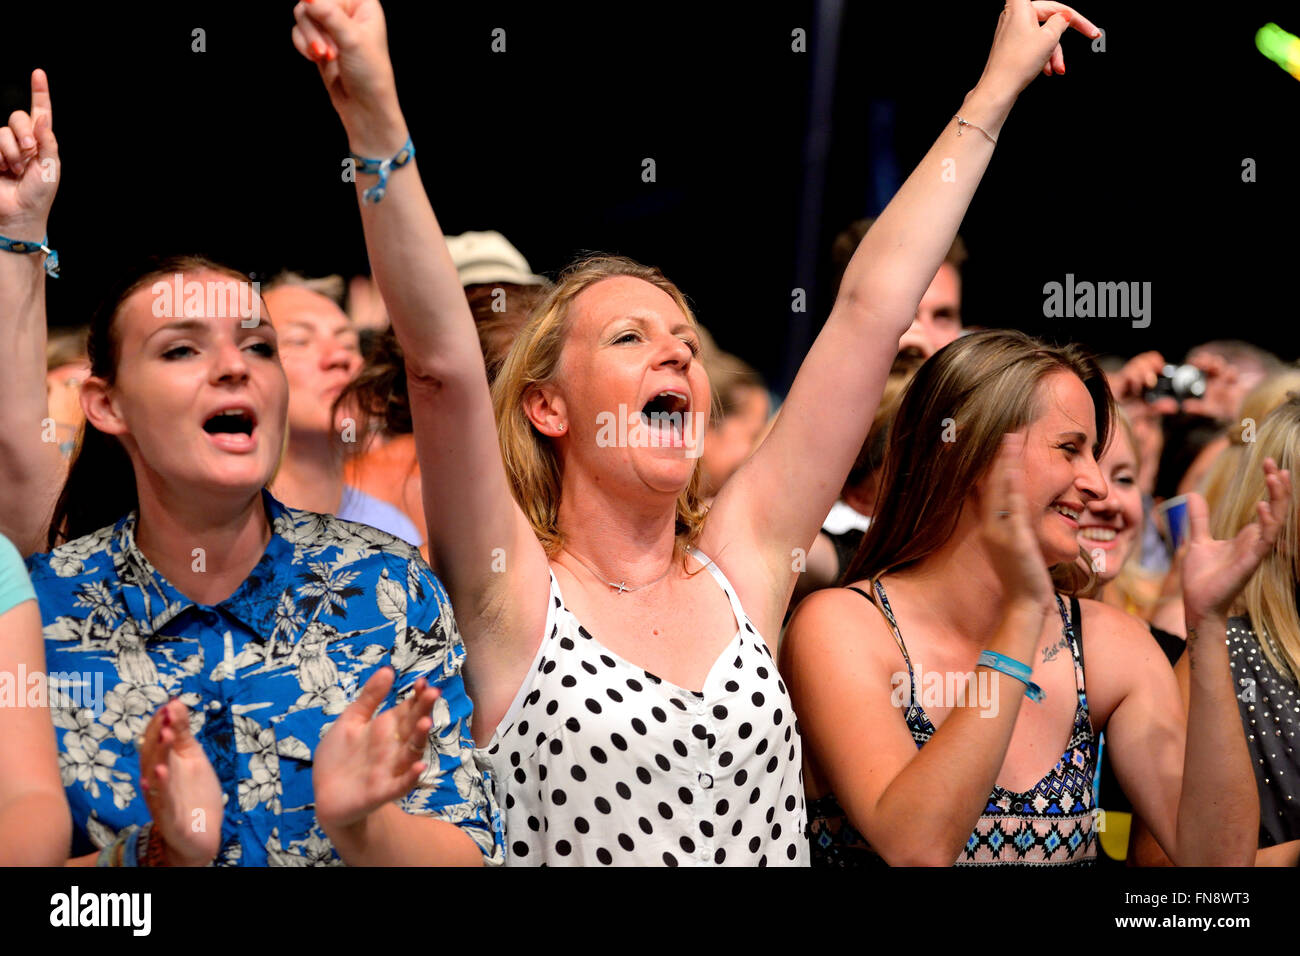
381	168
22	245
1012	668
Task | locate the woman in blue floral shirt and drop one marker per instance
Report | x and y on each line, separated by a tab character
216	660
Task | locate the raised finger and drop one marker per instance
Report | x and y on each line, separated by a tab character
1198	518
41	96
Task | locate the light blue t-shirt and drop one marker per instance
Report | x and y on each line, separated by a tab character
366	509
15	585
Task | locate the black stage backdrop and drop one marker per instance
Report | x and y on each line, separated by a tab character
1127	169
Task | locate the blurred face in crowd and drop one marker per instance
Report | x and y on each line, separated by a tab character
1061	474
629	351
198	402
63	391
733	439
1110	527
938	317
320	350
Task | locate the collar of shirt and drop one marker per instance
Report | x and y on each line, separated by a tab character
153	601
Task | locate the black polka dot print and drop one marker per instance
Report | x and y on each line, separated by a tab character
601	763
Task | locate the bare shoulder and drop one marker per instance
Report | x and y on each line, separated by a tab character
832	626
1120	655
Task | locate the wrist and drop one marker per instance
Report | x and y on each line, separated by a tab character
377	134
28	230
987	107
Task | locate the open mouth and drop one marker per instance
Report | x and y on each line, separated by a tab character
232	428
1069	514
666	406
664	416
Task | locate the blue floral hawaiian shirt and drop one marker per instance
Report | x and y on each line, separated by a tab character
264	673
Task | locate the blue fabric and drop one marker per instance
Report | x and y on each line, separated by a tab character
264	673
366	509
15	586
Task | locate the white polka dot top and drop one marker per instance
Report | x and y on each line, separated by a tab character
600	762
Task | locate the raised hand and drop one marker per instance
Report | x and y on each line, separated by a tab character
1214	572
1022	47
29	166
1007	529
178	780
348	42
369	759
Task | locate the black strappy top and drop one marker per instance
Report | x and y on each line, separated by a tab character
1050	824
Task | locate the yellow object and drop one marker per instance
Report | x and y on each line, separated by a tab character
1114	834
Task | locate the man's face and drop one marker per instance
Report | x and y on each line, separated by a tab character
938	317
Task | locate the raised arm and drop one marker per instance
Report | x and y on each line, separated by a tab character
1195	789
778	499
467	501
31	468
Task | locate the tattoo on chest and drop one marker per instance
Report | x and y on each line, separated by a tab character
1051	651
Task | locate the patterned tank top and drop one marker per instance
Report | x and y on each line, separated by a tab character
1049	824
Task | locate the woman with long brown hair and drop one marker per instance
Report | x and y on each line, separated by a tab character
910	683
631	704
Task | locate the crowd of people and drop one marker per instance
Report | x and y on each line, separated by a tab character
355	573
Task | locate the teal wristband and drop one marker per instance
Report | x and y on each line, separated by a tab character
1012	668
24	246
381	168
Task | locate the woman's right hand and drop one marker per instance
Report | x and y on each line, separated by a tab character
1008	531
1022	48
29	166
348	42
180	788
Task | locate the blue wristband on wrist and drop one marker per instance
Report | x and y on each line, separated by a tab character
24	246
381	168
1012	668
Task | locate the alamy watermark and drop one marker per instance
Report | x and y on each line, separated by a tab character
945	689
231	298
80	690
636	429
1098	300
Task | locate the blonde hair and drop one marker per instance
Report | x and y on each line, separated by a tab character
530	458
1269	597
982	386
1259	401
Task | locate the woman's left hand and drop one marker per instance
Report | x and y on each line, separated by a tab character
1214	572
369	759
1022	48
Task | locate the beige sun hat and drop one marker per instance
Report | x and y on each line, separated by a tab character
483	257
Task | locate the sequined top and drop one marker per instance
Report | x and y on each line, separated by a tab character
1269	702
1049	824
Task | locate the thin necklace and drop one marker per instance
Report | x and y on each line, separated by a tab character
619	586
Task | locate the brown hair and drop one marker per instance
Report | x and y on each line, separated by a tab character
530	460
100	487
847	242
982	386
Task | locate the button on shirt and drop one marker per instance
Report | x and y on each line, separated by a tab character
264	673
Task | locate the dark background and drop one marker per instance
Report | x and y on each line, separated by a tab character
1128	168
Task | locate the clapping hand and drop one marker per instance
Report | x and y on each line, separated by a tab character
369	759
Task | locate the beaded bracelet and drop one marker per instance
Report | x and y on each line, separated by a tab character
1012	668
381	168
21	245
123	851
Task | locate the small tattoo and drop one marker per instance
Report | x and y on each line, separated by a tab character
1191	648
1050	652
